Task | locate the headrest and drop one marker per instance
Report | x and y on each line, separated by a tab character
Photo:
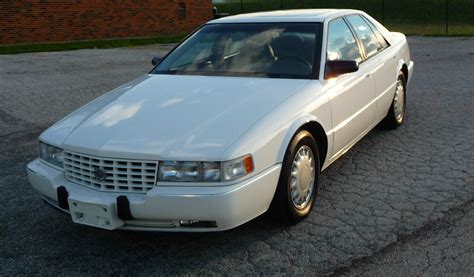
287	45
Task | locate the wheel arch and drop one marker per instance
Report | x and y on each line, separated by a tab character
404	70
402	67
311	124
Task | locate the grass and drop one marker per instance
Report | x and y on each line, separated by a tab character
431	29
73	45
421	17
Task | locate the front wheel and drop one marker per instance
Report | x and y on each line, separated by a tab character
396	114
298	184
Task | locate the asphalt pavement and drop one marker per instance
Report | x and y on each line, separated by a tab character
399	202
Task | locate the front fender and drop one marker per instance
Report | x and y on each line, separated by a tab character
268	138
298	124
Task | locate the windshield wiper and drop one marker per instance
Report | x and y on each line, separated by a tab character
179	67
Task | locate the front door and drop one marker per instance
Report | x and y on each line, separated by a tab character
352	95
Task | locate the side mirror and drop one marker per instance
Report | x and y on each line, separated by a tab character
336	68
156	60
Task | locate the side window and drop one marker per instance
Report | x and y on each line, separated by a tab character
383	42
341	42
365	34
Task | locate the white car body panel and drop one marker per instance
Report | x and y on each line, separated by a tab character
163	207
352	95
175	117
309	104
215	118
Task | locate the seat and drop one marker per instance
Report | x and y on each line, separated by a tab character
290	55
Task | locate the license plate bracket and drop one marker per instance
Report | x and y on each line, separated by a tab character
94	214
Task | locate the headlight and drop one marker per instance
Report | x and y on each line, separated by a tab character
211	171
174	171
51	154
177	171
237	168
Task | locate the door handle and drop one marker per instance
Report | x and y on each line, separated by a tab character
368	75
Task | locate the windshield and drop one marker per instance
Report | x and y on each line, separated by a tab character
279	50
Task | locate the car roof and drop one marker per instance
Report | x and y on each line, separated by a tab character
301	15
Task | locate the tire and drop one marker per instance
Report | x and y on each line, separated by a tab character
395	117
284	207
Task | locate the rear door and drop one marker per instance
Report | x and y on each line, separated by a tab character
382	60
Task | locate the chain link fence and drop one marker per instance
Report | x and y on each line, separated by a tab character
427	17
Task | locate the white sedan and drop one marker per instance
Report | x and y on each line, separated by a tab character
238	119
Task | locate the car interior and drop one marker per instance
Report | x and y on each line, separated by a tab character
288	53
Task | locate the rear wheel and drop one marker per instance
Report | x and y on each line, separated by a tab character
396	114
298	184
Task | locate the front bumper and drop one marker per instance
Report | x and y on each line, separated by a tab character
164	207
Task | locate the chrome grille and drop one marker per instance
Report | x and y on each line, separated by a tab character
115	174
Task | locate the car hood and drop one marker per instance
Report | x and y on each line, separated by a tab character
170	116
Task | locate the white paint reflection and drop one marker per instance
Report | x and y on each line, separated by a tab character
171	102
191	144
116	113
